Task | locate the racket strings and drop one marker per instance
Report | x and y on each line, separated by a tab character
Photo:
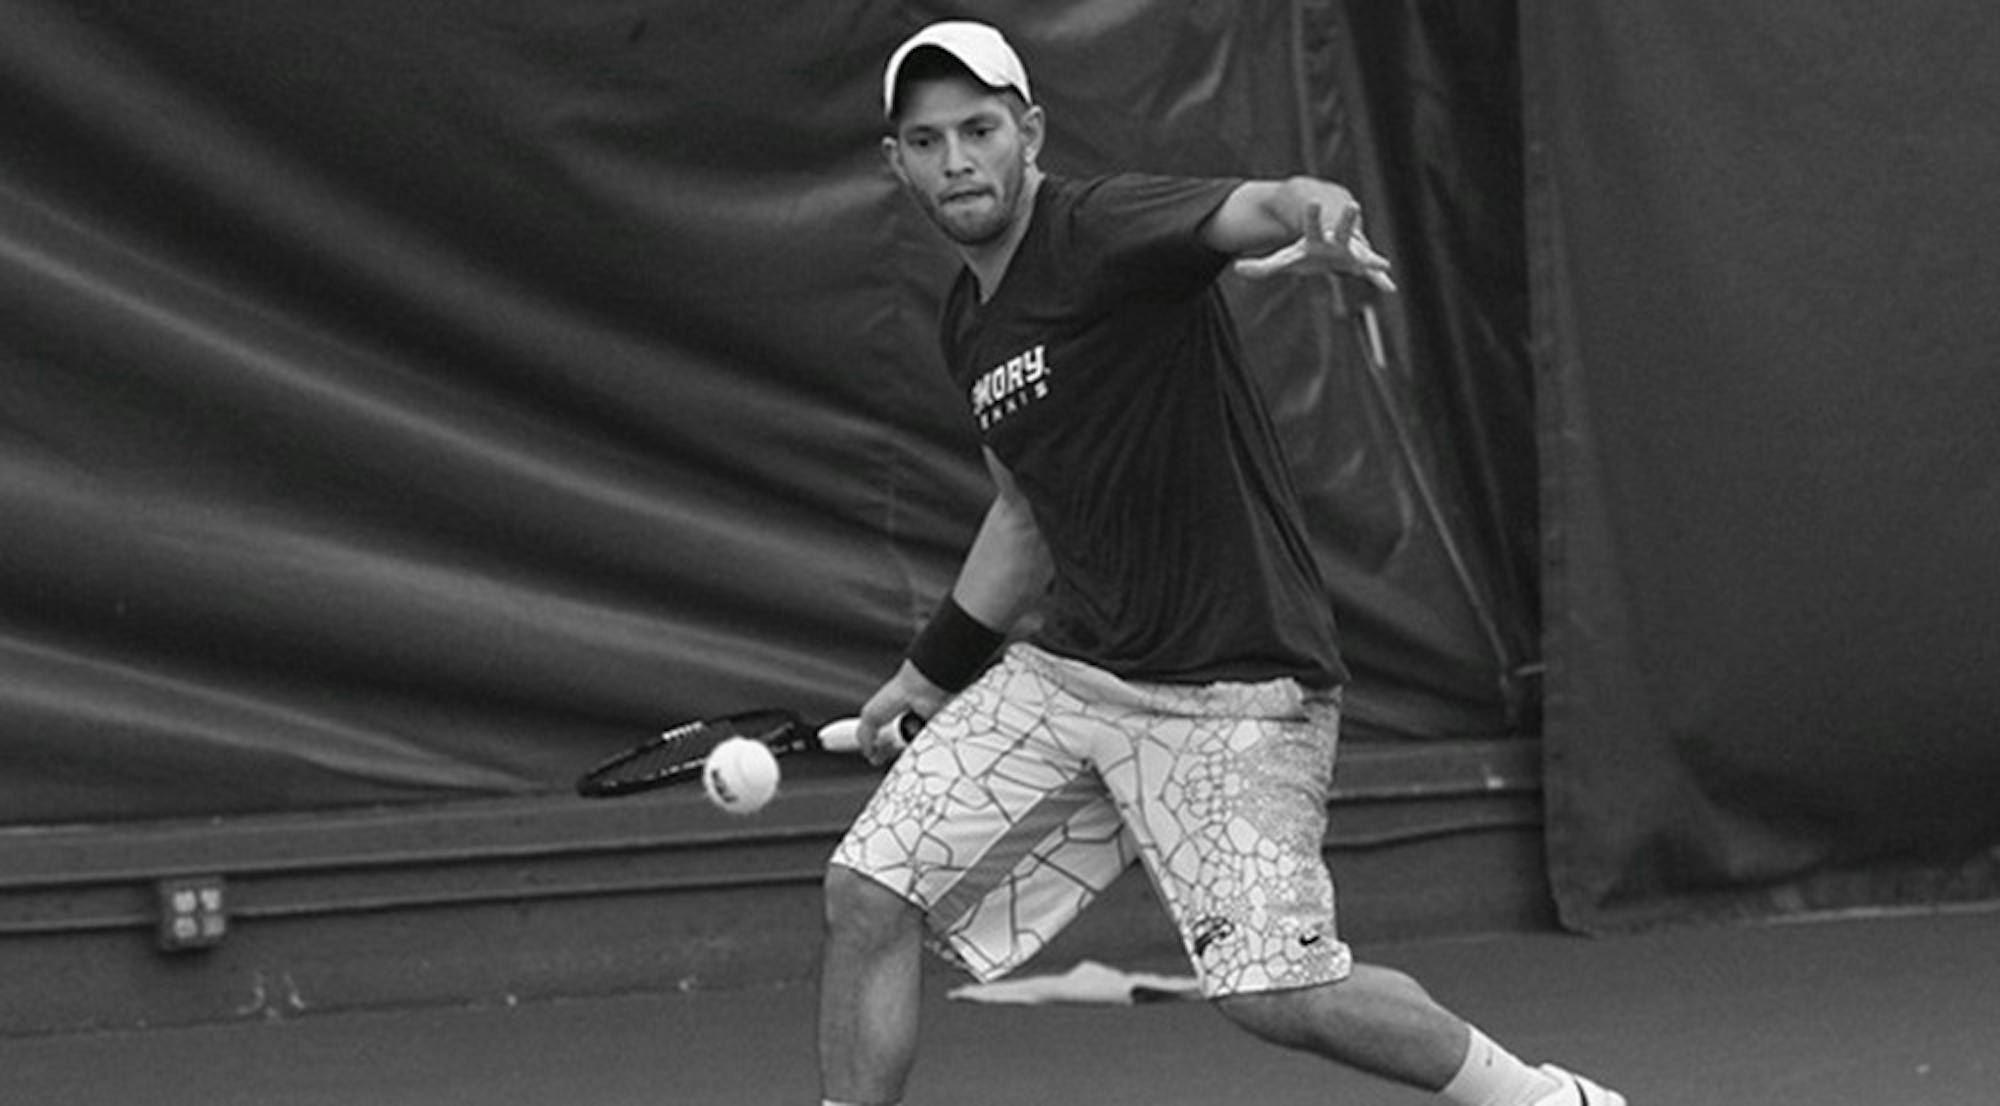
680	749
679	754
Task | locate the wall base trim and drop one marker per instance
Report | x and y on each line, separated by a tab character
551	896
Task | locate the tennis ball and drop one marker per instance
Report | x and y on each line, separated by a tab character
740	775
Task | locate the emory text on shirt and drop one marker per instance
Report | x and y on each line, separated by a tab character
1006	388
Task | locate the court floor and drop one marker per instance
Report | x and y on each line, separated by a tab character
1882	1011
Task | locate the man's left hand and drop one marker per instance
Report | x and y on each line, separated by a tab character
1340	248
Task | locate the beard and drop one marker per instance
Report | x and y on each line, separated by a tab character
981	216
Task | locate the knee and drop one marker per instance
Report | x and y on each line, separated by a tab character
1282	1017
862	912
1367	998
1382	985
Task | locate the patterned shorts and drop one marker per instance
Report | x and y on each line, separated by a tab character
1035	788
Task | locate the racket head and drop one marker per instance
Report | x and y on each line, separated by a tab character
676	756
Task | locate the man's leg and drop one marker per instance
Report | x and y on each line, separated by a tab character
1377	1020
1381	1021
993	833
871	977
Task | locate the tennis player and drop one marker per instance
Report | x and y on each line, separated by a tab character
1178	701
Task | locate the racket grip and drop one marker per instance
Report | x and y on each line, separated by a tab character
842	735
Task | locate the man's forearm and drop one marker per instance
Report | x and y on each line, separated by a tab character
1004	572
1007	568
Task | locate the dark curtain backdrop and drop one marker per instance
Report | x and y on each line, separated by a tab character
414	401
1438	89
1763	259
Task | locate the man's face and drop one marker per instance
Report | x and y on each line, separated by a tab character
963	157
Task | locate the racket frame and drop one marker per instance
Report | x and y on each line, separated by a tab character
783	731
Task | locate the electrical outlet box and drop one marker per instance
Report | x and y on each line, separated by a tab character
193	913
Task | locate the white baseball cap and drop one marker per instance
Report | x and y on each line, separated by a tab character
978	47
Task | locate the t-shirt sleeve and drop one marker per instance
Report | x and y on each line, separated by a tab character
1138	235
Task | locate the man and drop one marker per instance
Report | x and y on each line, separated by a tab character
1178	702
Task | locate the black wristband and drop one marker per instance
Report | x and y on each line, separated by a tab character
953	647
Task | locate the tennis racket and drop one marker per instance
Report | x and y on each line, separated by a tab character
676	756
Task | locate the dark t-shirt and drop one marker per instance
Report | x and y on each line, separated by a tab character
1105	373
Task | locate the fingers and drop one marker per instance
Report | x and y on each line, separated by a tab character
1343	225
883	743
882	746
1342	231
1345	237
1322	246
871	736
880	731
880	740
1271	264
1373	266
879	744
1341	248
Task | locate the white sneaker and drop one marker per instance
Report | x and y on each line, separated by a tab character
1577	1091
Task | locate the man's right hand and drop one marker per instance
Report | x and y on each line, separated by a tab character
907	692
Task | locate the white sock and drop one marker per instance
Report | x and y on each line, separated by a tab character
1492	1076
